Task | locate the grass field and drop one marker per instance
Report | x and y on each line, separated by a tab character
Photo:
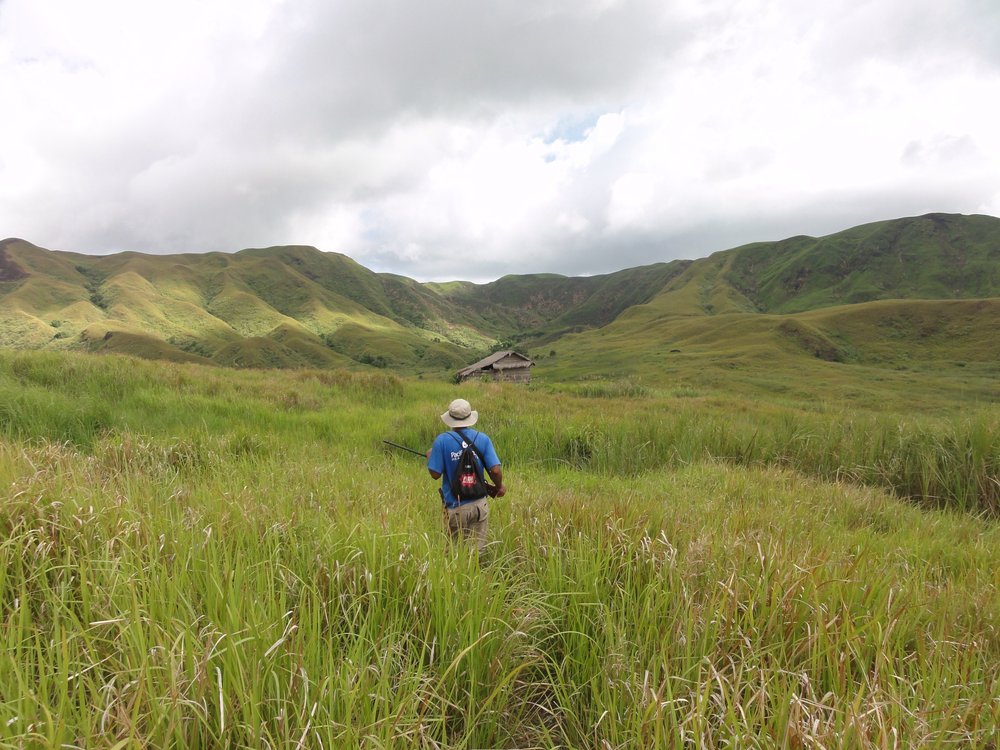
196	557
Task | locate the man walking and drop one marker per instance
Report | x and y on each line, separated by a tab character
466	517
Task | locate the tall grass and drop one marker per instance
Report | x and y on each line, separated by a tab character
172	604
611	429
233	560
947	462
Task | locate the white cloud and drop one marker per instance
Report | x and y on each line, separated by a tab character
559	136
631	197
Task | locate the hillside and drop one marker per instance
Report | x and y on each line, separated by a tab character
874	295
845	314
288	307
938	256
274	307
545	306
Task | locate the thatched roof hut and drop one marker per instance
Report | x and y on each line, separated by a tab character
507	366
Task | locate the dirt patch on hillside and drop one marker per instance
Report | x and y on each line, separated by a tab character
811	340
9	270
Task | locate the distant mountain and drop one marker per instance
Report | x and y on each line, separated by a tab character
913	292
288	307
938	256
545	306
296	306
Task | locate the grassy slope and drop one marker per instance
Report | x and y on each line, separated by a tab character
257	308
937	256
934	352
225	307
387	295
547	305
284	305
702	331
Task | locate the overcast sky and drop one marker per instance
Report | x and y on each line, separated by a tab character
469	139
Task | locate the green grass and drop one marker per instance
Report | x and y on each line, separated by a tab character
894	356
195	557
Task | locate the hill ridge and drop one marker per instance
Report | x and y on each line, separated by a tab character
297	305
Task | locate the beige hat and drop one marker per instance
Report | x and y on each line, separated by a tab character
460	414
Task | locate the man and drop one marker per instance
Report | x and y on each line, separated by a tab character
466	518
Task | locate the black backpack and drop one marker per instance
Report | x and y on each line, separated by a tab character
468	482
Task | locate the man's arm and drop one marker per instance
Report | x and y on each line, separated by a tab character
496	473
434	474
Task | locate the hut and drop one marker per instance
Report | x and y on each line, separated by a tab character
507	366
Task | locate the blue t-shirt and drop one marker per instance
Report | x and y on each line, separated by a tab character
446	451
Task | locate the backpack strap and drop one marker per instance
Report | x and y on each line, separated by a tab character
472	444
482	461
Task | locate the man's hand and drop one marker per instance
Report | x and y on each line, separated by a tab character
496	473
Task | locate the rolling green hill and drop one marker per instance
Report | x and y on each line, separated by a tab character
276	307
891	294
289	307
937	256
548	305
845	315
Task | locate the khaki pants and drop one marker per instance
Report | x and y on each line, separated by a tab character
470	520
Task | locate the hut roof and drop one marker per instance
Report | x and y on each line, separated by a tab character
494	361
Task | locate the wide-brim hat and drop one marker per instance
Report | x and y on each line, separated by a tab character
460	414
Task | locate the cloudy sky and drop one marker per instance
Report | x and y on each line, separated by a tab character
473	138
